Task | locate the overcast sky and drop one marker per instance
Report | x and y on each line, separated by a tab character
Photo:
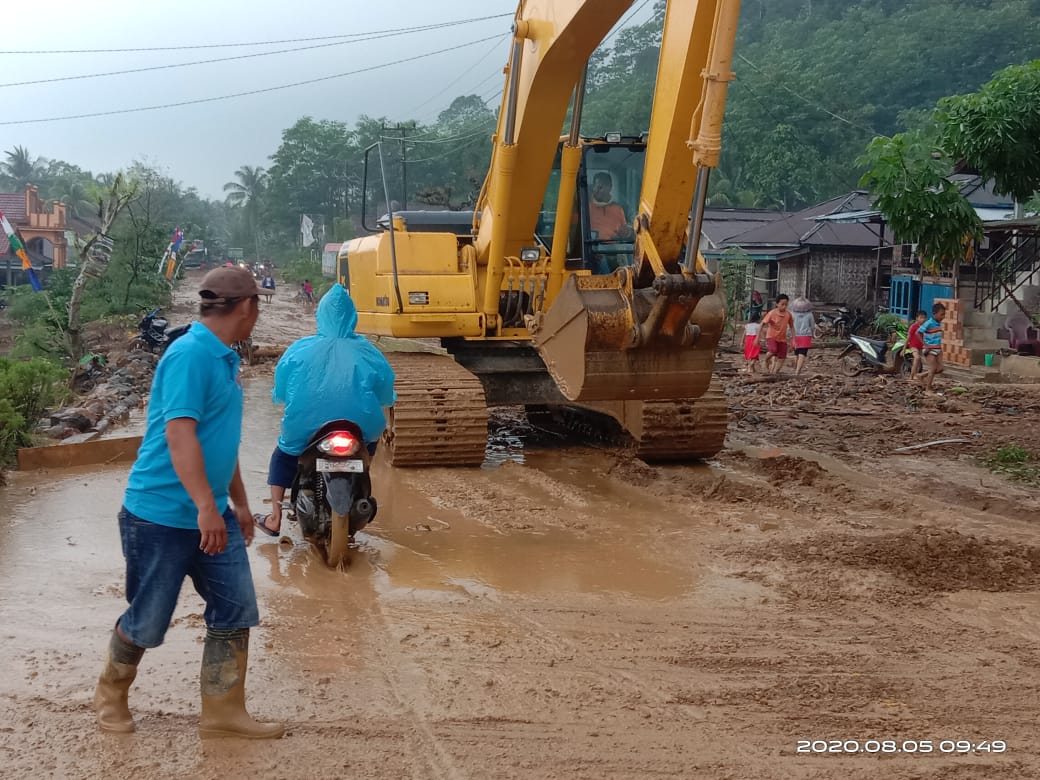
202	145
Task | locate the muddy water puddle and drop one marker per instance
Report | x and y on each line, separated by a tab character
432	551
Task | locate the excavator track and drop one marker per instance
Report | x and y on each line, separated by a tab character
684	429
440	417
672	430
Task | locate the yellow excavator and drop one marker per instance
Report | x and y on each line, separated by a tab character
575	286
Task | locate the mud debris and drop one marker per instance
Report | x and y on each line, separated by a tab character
927	558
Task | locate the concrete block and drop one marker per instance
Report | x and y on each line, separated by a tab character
95	451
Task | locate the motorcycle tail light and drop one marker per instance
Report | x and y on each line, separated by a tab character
340	444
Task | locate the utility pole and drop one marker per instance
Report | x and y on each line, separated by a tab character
401	138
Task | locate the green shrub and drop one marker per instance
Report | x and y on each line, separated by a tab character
1014	462
888	323
13	431
27	389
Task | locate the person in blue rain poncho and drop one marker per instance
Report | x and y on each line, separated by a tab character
336	374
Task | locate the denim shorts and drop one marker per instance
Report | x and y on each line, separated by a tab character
282	470
159	557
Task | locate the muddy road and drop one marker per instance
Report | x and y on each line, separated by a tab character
570	612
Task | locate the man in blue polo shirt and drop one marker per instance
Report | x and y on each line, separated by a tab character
185	514
931	335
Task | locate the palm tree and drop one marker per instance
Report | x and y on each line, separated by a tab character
247	193
21	168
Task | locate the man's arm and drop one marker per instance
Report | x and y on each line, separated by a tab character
190	466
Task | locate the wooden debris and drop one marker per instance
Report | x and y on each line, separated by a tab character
936	443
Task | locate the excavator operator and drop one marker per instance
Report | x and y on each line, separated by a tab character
607	218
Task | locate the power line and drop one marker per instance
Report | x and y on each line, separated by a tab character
246	93
484	127
494	47
172	66
625	22
252	43
448	151
806	100
621	25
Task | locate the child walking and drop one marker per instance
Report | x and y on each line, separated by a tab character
752	347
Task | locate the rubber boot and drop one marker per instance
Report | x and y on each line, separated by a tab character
110	697
223	681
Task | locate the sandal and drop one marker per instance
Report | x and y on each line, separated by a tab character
260	521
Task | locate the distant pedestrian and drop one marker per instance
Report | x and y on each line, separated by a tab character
752	349
915	343
932	351
308	290
804	324
776	326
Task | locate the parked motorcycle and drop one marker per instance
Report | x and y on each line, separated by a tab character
331	495
153	336
881	357
841	323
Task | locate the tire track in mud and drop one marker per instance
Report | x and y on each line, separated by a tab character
582	510
351	599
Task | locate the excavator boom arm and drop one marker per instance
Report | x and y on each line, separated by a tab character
553	40
685	139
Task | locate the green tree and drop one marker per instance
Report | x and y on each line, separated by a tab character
21	168
997	129
247	193
908	175
314	171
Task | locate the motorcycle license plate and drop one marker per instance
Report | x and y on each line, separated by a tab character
353	466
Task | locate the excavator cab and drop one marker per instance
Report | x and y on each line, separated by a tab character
601	238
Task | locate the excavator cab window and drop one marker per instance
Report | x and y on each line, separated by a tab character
609	182
607	196
547	218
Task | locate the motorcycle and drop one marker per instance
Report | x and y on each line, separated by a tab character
331	496
841	324
881	357
153	336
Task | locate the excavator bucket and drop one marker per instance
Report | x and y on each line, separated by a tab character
588	340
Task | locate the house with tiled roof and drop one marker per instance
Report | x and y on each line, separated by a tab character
838	251
828	262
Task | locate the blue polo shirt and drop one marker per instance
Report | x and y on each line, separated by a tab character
196	378
931	340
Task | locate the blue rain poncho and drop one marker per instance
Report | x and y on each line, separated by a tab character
334	375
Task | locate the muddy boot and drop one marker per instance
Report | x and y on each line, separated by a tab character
110	697
224	661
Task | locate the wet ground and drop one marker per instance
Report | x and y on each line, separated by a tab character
570	612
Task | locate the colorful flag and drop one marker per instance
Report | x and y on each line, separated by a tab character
177	240
18	250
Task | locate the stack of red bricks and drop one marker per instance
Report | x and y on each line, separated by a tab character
953	348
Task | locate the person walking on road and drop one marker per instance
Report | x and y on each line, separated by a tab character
803	325
185	514
752	349
915	343
931	335
775	327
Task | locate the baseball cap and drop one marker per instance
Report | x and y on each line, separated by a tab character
222	284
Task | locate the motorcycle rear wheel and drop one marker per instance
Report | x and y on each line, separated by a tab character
339	540
851	363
